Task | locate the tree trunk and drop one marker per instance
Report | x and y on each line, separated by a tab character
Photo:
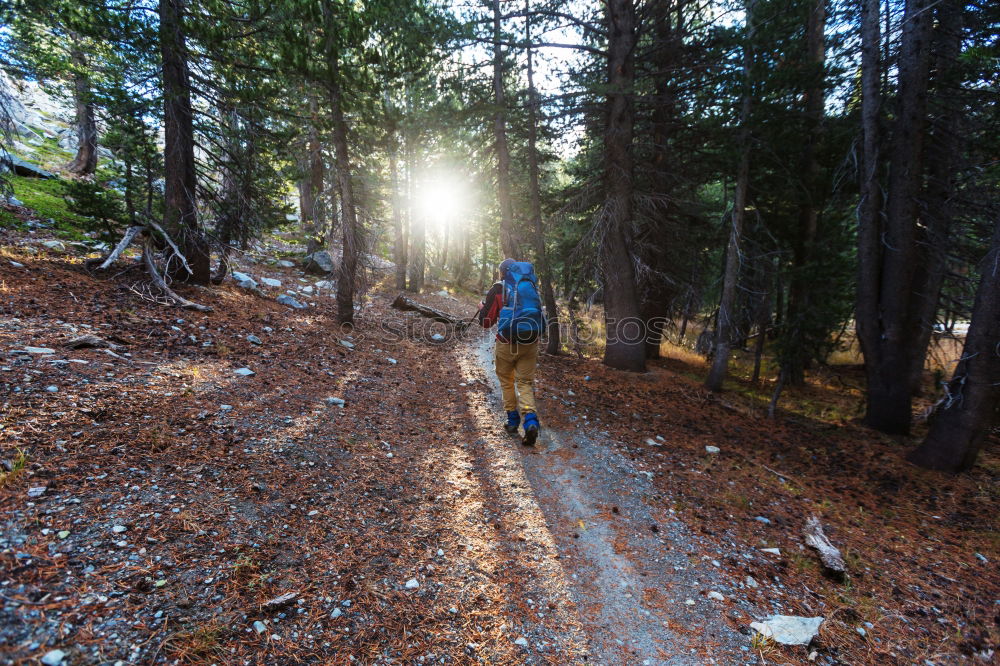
944	145
625	347
658	286
484	265
85	162
180	216
727	302
352	234
508	239
888	319
399	244
870	202
312	212
962	421
799	306
129	193
418	228
552	343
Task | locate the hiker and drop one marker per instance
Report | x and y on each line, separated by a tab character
512	303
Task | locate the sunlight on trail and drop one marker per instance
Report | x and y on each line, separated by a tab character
517	517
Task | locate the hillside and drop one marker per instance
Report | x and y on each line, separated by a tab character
350	497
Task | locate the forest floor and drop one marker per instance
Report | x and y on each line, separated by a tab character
158	507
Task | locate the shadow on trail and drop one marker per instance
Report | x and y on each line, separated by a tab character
628	566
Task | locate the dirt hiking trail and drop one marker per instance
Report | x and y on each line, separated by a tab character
632	575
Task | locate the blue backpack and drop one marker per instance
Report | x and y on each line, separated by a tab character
521	318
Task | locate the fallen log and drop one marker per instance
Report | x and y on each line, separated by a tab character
828	553
409	305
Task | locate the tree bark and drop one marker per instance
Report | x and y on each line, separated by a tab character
961	422
625	347
180	216
508	239
351	226
888	320
418	227
552	343
870	202
727	302
799	288
85	162
312	190
943	147
399	241
658	287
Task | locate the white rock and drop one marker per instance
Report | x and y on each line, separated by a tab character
392	361
225	408
307	289
244	372
772	551
712	449
53	657
347	343
52	389
270	282
284	263
437	337
689	602
242	277
788	629
39	350
16	264
750	582
522	641
716	595
285	299
118	529
335	402
412	584
54	245
259	627
336	613
653	442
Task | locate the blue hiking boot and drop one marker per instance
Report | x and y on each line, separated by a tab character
513	421
531	429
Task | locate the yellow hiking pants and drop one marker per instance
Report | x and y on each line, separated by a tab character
515	366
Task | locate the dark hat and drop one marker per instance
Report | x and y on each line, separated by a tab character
504	265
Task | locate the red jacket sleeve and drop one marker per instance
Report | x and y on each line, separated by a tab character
489	309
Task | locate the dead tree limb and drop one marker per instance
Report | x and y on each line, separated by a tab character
123	244
409	305
176	250
161	284
828	553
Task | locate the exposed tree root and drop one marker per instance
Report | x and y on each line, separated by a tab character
147	257
161	284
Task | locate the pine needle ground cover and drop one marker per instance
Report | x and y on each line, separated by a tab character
165	501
